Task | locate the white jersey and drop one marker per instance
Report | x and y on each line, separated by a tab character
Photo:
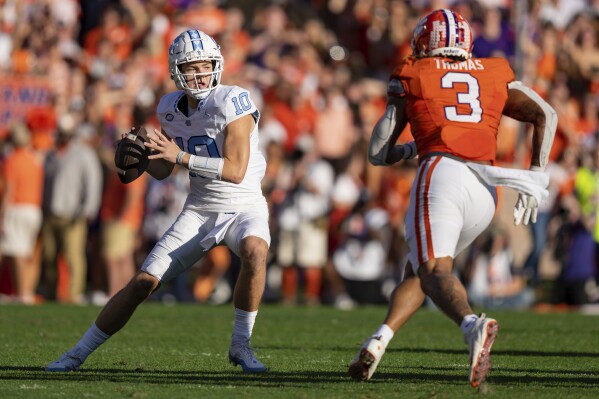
203	134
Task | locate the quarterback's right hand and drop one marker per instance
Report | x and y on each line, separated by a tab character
526	209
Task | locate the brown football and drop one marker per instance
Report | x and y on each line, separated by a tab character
131	156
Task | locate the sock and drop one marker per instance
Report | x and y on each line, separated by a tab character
386	334
90	341
244	324
467	322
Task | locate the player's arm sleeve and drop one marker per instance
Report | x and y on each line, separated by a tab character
382	149
525	105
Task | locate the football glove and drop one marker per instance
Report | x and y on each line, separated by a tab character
525	210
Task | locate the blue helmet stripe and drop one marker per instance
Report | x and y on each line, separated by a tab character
196	40
457	28
446	28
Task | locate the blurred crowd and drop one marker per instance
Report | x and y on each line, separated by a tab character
76	75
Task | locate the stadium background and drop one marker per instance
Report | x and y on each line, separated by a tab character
317	70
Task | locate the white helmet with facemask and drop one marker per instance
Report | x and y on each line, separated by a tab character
192	46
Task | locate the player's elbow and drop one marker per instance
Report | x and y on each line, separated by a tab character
236	179
543	115
538	118
234	176
234	170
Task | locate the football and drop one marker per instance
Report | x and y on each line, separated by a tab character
131	156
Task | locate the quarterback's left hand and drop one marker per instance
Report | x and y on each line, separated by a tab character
526	209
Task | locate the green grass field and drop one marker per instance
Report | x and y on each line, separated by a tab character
180	352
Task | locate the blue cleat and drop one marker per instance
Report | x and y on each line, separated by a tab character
241	353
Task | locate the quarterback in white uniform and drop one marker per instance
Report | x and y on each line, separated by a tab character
212	130
203	133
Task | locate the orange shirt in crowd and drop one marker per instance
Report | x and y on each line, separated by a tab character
211	20
24	174
120	36
445	103
547	66
124	202
41	121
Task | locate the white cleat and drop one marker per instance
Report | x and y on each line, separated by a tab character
366	361
242	354
69	361
480	340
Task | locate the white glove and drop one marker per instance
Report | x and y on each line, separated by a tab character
526	209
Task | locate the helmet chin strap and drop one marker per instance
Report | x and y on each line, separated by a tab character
201	95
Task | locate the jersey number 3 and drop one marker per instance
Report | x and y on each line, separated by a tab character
469	97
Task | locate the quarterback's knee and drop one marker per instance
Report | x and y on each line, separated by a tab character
253	252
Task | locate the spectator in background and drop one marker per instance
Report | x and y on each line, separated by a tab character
493	281
335	134
495	38
121	215
560	184
21	213
114	31
71	199
303	224
576	284
348	191
578	238
361	258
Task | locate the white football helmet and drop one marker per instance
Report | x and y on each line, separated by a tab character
190	46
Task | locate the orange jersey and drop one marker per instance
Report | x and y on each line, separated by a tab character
455	107
25	174
116	205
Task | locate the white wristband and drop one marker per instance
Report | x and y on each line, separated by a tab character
180	156
211	168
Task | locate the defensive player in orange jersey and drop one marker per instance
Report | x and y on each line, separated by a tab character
454	104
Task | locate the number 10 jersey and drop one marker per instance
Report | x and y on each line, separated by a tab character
202	134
